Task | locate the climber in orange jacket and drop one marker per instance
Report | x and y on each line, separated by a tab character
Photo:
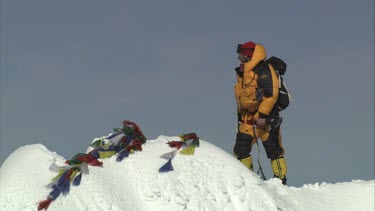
256	93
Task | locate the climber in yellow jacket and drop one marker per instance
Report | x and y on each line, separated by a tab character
256	93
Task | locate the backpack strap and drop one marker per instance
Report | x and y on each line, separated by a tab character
277	64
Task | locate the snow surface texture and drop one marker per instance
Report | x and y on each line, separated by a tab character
211	179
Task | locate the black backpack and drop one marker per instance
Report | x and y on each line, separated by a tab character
284	95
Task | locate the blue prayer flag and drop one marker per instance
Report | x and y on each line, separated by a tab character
77	180
62	179
65	187
122	155
167	167
54	193
95	154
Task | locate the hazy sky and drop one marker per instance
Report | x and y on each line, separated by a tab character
73	70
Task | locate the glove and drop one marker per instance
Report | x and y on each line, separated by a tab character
261	122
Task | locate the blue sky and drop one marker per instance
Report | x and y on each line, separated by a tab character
73	70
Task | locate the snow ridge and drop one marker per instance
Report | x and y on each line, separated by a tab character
211	179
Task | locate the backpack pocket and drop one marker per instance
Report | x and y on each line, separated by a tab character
284	97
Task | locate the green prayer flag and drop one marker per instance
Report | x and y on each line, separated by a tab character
195	142
116	130
96	144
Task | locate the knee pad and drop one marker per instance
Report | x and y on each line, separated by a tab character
242	148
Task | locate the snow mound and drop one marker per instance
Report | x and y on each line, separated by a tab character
211	179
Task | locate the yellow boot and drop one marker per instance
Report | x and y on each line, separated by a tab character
247	161
279	168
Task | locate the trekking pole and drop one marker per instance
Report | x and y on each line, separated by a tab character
260	170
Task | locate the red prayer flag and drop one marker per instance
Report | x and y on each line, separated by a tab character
43	205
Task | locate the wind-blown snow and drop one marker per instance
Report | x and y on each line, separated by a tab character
211	179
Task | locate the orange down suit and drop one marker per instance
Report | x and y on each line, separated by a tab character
256	93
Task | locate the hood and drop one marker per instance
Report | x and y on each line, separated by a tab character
258	55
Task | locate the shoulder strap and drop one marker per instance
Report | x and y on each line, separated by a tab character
261	66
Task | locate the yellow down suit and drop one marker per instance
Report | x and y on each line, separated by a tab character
256	93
